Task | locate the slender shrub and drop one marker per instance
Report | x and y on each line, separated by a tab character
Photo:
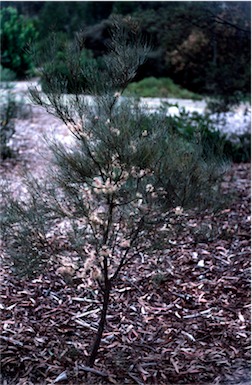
114	188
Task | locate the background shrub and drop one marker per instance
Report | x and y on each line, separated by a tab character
161	87
7	122
17	32
189	125
204	47
6	75
12	108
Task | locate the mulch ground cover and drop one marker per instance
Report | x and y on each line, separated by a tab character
181	316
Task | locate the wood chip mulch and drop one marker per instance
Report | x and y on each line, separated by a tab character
177	317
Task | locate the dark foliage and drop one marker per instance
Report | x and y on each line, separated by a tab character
202	46
17	33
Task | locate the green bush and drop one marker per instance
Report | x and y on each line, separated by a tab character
238	147
16	34
6	75
159	88
189	125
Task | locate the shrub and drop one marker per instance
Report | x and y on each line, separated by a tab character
16	34
235	148
12	108
115	187
7	122
6	75
225	103
238	147
161	88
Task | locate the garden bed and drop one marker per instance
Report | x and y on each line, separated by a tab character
181	316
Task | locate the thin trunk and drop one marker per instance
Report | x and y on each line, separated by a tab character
96	345
106	294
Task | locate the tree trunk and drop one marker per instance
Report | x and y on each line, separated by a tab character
96	345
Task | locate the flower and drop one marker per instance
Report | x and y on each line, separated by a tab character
86	193
65	271
98	185
95	219
139	202
97	182
141	173
133	172
178	210
109	187
115	131
105	251
145	133
149	188
125	243
125	175
75	127
96	273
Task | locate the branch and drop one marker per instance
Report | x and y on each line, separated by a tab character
219	20
214	19
123	260
110	218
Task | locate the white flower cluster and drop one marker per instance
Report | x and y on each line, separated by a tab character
139	197
96	219
90	267
113	183
149	188
140	173
125	243
86	193
77	128
107	187
117	95
178	210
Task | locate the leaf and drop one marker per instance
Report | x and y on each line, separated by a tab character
61	377
174	363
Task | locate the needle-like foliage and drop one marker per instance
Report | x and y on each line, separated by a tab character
115	186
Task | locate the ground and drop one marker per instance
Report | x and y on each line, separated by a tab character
178	317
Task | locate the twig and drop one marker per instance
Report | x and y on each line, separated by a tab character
199	314
92	370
